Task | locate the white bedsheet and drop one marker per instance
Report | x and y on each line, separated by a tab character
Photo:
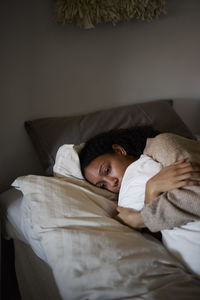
184	243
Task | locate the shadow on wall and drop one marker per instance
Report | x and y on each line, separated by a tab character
189	111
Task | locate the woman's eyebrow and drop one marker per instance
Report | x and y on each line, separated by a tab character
100	169
99	172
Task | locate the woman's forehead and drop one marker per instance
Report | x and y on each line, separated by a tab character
95	163
98	161
93	169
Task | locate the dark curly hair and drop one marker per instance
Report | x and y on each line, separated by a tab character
133	140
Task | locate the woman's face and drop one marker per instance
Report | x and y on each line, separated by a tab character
107	170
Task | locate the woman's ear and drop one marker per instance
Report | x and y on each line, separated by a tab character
119	149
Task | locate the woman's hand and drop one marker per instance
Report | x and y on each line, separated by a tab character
130	217
177	175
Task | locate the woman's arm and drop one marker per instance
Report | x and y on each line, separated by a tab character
176	207
168	178
130	217
180	205
177	175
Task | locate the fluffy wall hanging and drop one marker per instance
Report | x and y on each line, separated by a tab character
88	13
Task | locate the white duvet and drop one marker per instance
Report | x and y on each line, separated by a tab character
92	255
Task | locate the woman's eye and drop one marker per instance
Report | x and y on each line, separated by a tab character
102	186
107	170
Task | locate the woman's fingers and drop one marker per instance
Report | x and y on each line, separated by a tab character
190	176
188	169
179	162
181	177
187	183
177	175
183	183
190	165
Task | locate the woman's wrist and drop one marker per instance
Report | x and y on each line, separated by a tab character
135	220
130	217
151	191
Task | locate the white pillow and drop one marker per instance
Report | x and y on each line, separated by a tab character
92	255
67	162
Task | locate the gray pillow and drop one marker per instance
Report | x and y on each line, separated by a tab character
48	134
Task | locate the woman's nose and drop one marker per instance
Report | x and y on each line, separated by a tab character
112	180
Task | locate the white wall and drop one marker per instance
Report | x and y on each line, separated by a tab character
51	70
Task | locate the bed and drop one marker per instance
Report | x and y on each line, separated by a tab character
68	245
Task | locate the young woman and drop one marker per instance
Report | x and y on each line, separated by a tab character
143	169
103	164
